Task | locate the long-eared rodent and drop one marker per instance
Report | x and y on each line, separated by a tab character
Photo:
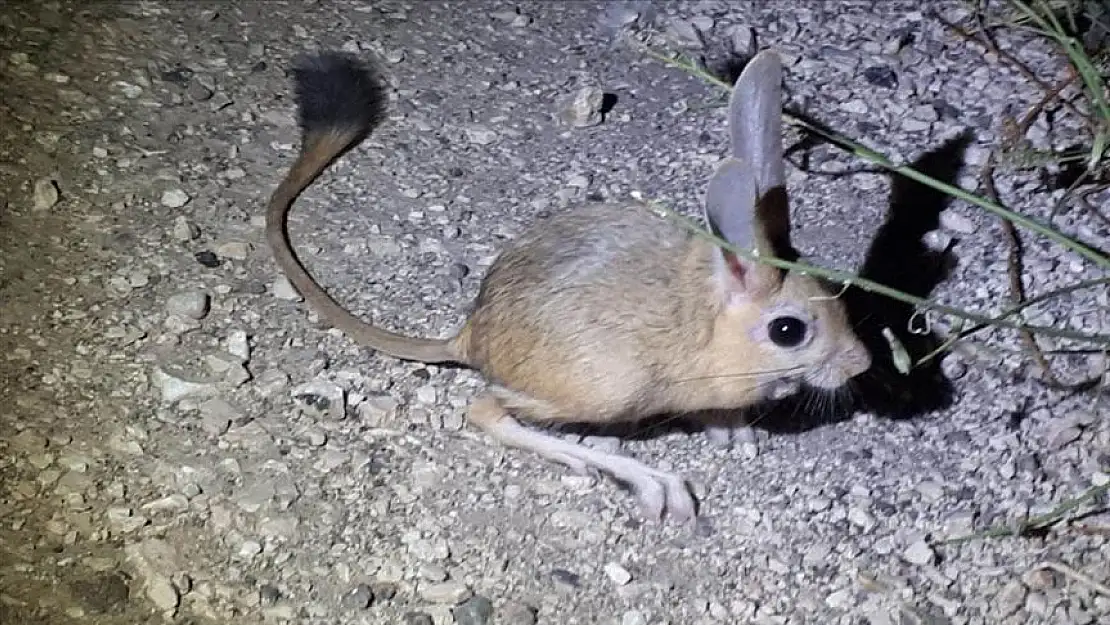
608	312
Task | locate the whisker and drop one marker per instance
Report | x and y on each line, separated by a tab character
759	374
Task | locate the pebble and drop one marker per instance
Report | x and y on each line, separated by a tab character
476	610
426	394
419	618
378	410
359	598
322	398
584	108
238	345
444	592
956	222
919	553
173	388
283	289
188	304
687	33
184	230
433	573
633	617
161	592
175	198
743	41
217	415
46	194
480	135
235	250
618	573
268	594
1063	435
513	613
1010	599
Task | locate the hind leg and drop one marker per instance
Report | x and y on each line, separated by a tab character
656	491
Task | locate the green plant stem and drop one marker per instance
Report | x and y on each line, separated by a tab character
1035	523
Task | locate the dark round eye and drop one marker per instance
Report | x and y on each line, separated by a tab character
787	331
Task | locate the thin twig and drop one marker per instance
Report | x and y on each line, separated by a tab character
1013	239
1074	574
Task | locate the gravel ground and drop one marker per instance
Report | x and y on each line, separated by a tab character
182	441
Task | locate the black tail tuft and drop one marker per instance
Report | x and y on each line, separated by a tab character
335	90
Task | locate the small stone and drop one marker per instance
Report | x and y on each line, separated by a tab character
161	592
742	39
480	135
174	387
433	573
268	594
359	598
173	504
1061	437
687	33
283	289
217	415
377	410
426	394
175	198
384	590
513	613
238	345
956	222
418	618
584	108
323	398
881	76
235	250
249	549
618	573
1010	599
919	553
633	617
476	610
188	304
444	592
46	194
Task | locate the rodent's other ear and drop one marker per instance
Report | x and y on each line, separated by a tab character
755	120
731	213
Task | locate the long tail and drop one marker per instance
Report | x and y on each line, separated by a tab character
339	101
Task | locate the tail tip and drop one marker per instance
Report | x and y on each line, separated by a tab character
335	89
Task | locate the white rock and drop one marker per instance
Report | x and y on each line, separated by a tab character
173	387
238	345
618	573
480	135
444	592
283	289
46	194
919	553
235	250
175	198
956	222
184	230
161	593
188	304
426	394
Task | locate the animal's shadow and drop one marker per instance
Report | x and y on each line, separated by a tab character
899	258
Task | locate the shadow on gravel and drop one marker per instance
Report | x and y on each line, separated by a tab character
897	258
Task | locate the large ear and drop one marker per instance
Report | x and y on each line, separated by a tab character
755	129
730	208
